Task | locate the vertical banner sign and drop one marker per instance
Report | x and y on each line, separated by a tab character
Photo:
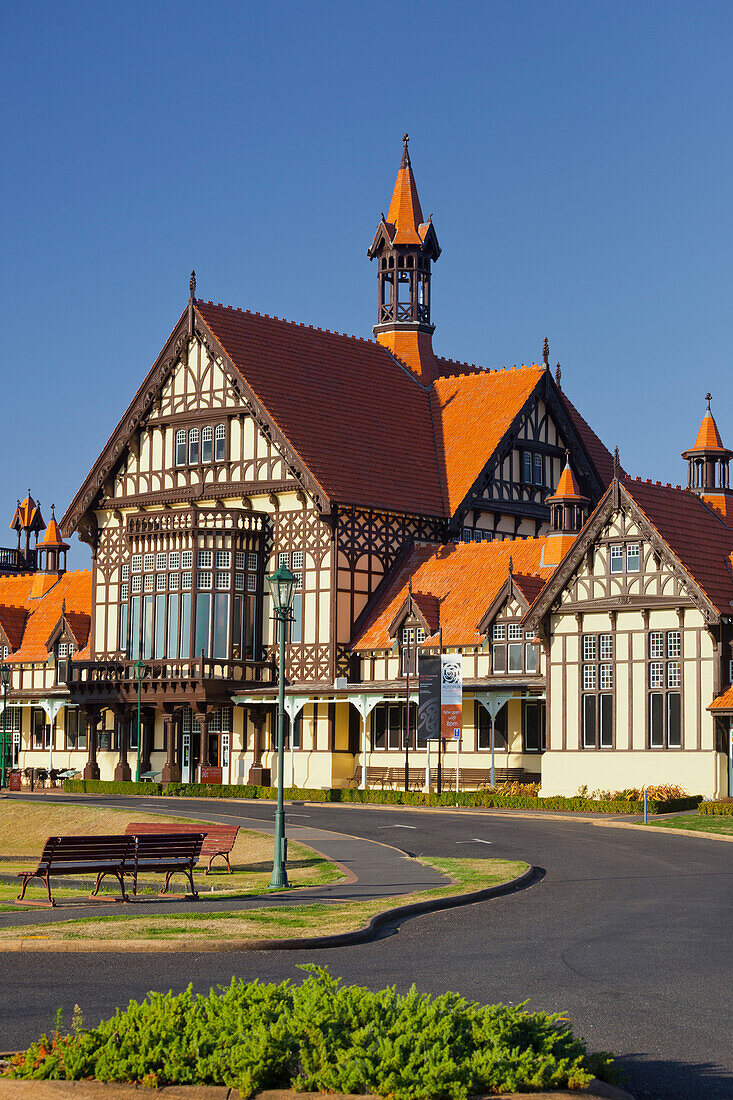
428	711
451	694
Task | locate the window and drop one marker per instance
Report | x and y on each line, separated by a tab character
527	468
75	729
297	559
161	580
203	580
180	448
515	656
296	625
223	580
389	725
205	559
467	534
137	563
173	580
149	582
589	677
148	562
223	559
589	647
220	442
605	643
173	560
283	559
530	657
539	470
606	677
411	637
124	589
632	557
186	559
137	583
483	728
38	728
161	561
477	535
252	562
498	663
186	579
193	447
239	582
665	696
240	559
597	688
207	436
533	726
125	575
499	632
617	559
514	632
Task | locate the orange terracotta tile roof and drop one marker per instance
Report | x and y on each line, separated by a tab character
12	621
567	487
472	413
27	515
52	536
74	589
697	536
723	702
599	455
708	437
404	216
464	579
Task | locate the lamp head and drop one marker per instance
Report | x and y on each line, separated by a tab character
5	675
140	670
282	585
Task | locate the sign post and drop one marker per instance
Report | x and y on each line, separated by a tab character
451	694
457	735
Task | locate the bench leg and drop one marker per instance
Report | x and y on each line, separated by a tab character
188	871
120	878
26	879
224	856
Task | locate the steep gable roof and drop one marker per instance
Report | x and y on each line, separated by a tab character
599	455
72	590
463	578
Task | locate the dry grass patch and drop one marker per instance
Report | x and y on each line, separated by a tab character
25	827
282	922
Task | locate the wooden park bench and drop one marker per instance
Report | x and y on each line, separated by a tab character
168	853
218	839
80	855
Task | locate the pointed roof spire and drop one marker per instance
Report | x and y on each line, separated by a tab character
708	437
567	487
546	353
616	461
558	375
53	538
192	286
405	212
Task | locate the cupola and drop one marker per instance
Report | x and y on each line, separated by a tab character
27	520
708	459
568	512
52	549
404	246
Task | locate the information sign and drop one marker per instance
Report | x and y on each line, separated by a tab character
451	694
428	711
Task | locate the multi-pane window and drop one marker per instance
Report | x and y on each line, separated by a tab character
186	559
203	579
205	559
533	468
161	582
137	583
223	581
499	632
193	447
180	448
223	559
410	639
173	559
515	657
283	558
625	556
665	684
125	574
149	562
297	559
149	582
597	691
632	557
483	728
207	439
240	559
137	563
220	446
389	725
173	581
617	559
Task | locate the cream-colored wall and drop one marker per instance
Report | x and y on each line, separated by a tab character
565	773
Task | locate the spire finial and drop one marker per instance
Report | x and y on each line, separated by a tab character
708	398
558	374
567	457
53	511
192	285
511	565
63	606
546	353
405	163
616	462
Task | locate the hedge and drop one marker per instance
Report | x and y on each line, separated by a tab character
724	809
100	786
482	798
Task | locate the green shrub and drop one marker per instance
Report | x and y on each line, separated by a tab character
103	786
724	809
245	790
321	1037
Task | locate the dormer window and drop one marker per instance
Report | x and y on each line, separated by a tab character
201	446
410	638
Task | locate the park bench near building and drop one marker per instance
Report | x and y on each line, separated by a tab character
468	779
80	855
218	839
171	852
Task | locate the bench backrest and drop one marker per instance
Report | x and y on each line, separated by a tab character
217	838
168	847
86	850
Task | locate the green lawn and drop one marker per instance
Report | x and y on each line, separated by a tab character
699	823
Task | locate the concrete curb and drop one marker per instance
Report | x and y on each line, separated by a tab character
342	939
98	1090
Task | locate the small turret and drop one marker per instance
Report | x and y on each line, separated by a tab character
568	512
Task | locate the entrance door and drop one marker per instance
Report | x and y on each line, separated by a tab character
186	758
225	737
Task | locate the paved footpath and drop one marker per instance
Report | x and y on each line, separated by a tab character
627	934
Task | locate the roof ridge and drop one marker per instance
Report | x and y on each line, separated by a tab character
287	321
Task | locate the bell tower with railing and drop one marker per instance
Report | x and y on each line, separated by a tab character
405	246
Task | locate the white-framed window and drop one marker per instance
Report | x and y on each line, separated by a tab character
186	579
251	582
656	644
161	582
499	632
605	646
240	560
124	588
193	446
298	582
149	582
148	562
220	442
605	677
617	558
137	563
173	559
205	559
656	674
467	534
514	632
173	581
180	448
632	557
283	558
530	657
223	581
411	637
203	579
297	559
674	674
589	647
186	559
63	649
161	561
515	656
589	677
136	583
207	437
239	582
125	575
252	562
674	643
477	535
223	559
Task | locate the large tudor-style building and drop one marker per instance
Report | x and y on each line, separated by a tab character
419	502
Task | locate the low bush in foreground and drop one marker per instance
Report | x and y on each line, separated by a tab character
718	809
103	786
321	1037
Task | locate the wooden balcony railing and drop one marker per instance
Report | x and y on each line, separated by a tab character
161	672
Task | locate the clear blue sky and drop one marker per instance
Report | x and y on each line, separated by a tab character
577	159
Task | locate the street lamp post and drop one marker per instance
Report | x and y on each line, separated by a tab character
140	671
282	585
5	675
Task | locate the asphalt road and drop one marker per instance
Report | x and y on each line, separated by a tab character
627	933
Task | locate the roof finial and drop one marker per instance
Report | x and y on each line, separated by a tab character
708	398
546	353
192	285
567	457
511	565
63	606
53	511
558	374
616	462
405	163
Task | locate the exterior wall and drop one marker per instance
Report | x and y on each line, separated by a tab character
702	773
